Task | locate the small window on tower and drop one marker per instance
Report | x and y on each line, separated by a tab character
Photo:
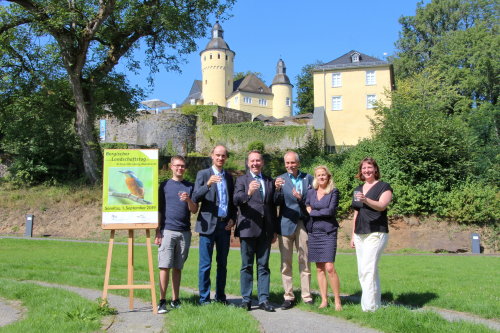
210	56
218	55
226	56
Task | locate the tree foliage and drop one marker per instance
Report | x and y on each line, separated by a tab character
82	41
241	75
457	37
305	89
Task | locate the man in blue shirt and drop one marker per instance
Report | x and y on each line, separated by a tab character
290	195
174	232
214	188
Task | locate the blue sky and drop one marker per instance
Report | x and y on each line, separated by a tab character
300	32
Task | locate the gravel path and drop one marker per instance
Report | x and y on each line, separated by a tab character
141	319
10	311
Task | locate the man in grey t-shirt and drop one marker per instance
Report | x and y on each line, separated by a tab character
174	232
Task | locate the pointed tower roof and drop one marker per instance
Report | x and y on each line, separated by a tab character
281	77
217	41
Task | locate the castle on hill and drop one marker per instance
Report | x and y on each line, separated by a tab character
249	94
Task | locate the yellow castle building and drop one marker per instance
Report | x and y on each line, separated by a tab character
345	90
249	94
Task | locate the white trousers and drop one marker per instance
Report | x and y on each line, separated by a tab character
369	248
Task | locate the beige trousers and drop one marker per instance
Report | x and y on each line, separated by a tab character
286	243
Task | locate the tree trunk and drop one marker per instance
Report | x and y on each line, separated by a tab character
85	130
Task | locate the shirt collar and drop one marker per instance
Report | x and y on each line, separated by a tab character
254	175
299	175
216	172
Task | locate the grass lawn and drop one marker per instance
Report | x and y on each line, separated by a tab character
51	309
463	283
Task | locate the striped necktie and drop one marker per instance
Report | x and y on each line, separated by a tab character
261	190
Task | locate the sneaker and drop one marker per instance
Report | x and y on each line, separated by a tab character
162	307
175	304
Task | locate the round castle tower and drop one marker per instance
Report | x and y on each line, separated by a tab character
217	69
282	91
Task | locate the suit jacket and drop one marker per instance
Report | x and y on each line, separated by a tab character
291	209
207	216
254	214
323	213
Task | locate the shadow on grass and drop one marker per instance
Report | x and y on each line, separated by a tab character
413	300
416	300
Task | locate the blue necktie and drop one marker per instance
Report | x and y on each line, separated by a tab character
261	190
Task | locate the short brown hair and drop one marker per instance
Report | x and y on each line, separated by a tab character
177	157
371	161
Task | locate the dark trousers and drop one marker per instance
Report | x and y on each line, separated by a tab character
251	248
221	239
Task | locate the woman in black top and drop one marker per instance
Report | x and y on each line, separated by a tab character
370	230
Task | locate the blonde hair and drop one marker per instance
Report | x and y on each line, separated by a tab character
330	186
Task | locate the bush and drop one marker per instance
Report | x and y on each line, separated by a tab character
471	202
256	145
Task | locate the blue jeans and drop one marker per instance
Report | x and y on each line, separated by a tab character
251	248
221	239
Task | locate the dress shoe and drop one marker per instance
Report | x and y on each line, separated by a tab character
287	305
222	301
266	306
246	305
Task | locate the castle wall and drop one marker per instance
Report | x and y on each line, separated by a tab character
165	130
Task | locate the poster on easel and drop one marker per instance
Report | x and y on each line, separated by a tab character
130	189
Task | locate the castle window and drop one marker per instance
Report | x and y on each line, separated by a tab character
247	100
226	56
288	101
355	57
205	81
337	103
204	58
218	55
261	89
228	82
370	78
192	101
262	101
210	56
370	101
336	80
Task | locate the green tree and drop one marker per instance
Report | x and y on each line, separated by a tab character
305	89
457	37
241	75
86	39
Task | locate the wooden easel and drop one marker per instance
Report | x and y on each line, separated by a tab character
130	276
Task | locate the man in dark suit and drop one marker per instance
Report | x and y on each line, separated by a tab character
290	195
256	227
214	188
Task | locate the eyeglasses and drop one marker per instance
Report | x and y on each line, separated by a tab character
182	166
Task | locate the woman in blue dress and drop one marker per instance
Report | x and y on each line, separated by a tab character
321	203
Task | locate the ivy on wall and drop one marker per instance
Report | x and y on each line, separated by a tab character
241	134
244	133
